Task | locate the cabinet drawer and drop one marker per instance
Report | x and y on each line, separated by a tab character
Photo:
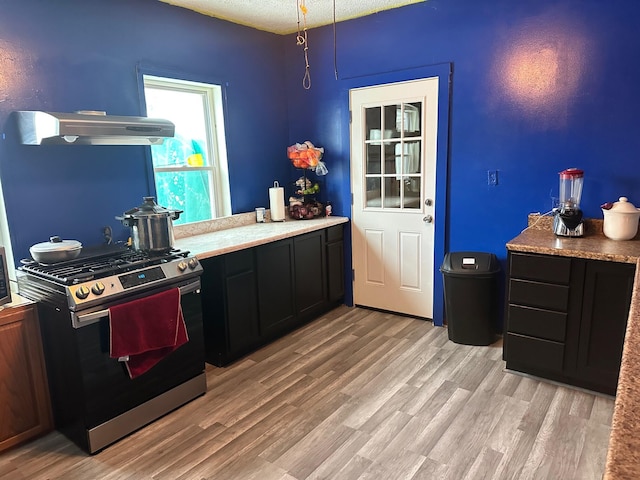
540	267
537	323
536	294
238	262
535	353
335	233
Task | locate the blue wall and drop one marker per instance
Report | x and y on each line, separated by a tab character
72	55
536	87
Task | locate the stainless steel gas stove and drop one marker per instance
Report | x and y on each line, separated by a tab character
103	275
95	403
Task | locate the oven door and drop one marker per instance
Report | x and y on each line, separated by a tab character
107	389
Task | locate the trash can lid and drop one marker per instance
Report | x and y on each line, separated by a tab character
470	263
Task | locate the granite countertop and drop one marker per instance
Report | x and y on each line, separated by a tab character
538	237
623	456
241	231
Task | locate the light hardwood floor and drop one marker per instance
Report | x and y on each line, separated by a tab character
357	394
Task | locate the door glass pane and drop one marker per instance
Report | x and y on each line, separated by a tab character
373	123
390	125
408	119
389	158
411	187
373	158
407	157
374	192
391	192
414	156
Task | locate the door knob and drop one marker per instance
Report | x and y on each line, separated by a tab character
428	219
428	202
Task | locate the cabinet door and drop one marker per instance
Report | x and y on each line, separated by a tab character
242	301
24	395
275	286
229	306
335	263
310	273
605	308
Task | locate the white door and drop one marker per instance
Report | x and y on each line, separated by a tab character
393	165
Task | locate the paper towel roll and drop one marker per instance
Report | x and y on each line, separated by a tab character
276	202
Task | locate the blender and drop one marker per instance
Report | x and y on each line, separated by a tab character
568	216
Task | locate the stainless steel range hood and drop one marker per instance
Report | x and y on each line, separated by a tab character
90	128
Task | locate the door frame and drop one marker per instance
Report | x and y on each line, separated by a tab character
444	72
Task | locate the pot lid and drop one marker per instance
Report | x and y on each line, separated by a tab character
623	205
148	208
56	244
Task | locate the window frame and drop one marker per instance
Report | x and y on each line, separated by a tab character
212	95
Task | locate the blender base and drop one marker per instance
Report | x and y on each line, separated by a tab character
562	230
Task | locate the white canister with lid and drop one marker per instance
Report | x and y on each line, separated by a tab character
620	220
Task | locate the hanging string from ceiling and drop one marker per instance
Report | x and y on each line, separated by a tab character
335	48
301	39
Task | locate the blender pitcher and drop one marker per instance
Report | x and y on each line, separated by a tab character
568	216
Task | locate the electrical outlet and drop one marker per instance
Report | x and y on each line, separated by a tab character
492	178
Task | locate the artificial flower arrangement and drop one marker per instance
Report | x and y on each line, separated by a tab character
303	204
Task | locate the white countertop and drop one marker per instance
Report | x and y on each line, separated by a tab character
219	242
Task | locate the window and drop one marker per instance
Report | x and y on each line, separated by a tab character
190	170
393	145
5	241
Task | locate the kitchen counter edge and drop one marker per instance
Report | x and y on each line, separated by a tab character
591	247
216	243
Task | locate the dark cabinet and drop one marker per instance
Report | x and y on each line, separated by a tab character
230	306
310	274
253	296
335	263
275	264
566	318
605	307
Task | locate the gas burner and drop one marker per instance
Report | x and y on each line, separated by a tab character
97	263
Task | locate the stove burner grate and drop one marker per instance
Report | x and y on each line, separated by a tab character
87	268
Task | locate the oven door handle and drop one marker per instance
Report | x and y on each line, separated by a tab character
93	317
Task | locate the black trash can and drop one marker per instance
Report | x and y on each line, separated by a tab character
471	296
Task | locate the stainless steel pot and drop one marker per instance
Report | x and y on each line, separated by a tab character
55	250
151	226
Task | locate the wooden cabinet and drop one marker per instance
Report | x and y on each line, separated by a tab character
256	295
24	396
566	318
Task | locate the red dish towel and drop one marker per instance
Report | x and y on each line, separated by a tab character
147	330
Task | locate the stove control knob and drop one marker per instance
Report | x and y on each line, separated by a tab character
98	288
182	265
193	263
82	292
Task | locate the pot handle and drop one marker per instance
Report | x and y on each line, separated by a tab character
126	221
27	261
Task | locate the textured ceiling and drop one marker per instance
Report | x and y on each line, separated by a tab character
281	16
